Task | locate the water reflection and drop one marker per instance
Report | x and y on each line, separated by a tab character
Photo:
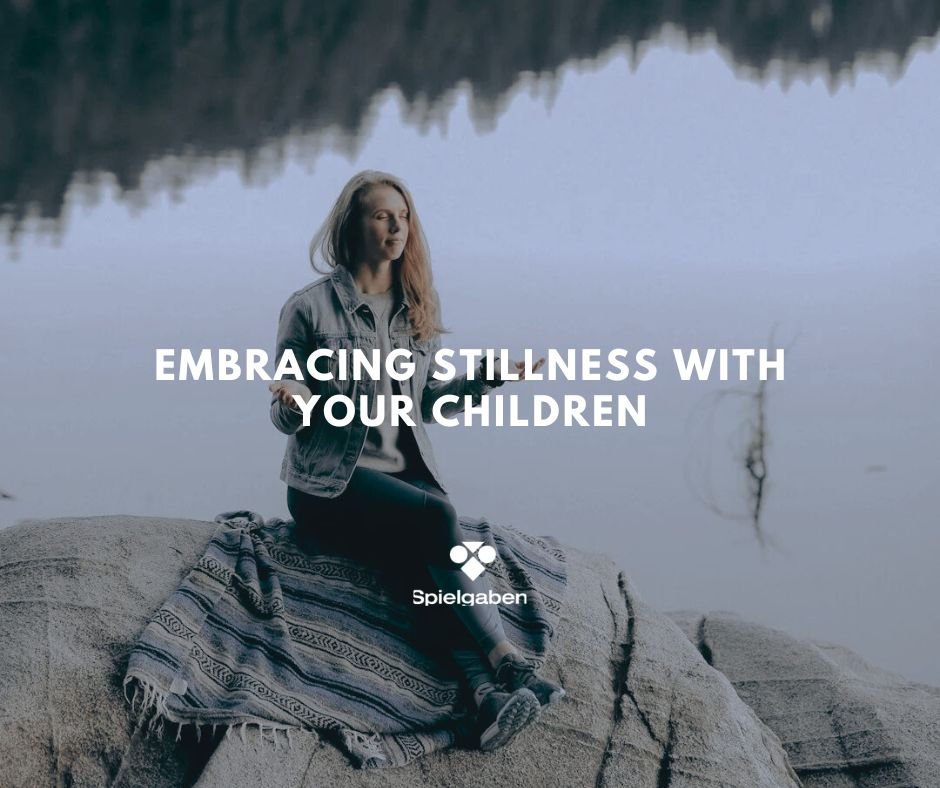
90	88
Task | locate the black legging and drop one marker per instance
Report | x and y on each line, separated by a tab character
400	522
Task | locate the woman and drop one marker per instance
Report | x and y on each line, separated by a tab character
376	491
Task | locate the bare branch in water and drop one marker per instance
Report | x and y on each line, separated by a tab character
755	461
753	458
698	470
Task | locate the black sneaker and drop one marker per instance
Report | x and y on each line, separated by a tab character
514	673
502	715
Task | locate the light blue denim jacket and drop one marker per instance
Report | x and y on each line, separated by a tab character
330	313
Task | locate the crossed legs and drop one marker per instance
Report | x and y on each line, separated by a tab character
385	518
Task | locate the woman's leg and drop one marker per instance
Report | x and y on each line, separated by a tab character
391	519
512	670
485	626
476	666
386	518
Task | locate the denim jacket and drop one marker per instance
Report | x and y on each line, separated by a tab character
329	313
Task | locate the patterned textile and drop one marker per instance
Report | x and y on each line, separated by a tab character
271	632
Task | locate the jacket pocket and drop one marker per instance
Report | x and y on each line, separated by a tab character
336	367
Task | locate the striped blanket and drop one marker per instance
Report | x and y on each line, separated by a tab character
267	631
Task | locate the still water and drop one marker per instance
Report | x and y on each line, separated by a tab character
675	204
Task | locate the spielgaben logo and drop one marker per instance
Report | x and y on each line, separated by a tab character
472	556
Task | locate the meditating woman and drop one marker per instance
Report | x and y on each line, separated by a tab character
376	490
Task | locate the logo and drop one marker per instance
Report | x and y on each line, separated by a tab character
472	555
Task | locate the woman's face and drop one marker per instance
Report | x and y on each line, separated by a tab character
384	224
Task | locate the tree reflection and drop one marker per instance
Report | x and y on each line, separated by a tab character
110	87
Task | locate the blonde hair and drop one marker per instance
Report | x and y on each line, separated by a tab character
338	238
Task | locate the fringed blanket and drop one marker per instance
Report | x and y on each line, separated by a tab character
265	631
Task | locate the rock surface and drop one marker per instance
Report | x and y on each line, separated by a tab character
644	707
843	722
74	594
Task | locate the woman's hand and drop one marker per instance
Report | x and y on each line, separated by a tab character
286	389
514	366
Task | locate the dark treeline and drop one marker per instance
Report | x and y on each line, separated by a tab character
109	86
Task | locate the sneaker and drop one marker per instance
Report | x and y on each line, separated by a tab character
514	673
502	715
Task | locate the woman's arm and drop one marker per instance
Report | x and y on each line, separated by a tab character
293	333
460	385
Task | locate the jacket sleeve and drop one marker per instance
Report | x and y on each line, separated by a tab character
460	385
293	333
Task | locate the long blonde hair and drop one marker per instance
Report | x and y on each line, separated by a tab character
338	238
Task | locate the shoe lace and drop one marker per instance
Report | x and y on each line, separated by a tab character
514	672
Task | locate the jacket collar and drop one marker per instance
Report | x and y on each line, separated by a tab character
348	293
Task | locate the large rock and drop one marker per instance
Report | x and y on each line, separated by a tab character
74	594
844	723
644	708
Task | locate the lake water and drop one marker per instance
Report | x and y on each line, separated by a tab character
675	205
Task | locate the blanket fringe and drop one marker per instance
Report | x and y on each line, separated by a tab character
149	708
